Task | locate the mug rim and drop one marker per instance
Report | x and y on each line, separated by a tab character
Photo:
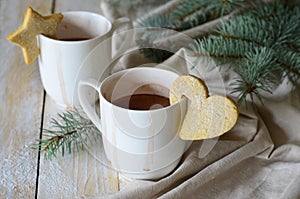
133	110
80	41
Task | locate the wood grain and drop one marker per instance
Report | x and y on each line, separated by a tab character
80	174
20	108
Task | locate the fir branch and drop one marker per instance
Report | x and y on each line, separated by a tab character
256	74
188	8
70	130
117	4
227	52
211	8
289	62
187	14
274	28
159	21
266	32
249	29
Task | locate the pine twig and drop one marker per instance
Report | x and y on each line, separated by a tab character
186	15
256	74
69	130
257	45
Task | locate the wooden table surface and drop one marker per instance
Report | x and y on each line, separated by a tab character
25	109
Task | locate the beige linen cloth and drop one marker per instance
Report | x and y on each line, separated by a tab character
258	158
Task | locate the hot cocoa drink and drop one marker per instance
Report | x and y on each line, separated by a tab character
142	102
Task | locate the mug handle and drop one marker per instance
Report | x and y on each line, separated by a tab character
87	107
85	104
120	22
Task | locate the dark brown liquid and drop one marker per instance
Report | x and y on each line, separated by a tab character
74	39
142	102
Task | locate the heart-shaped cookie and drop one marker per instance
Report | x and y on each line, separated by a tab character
206	117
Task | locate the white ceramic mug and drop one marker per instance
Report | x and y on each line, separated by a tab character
60	59
141	144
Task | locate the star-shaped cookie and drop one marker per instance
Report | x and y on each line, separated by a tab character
33	25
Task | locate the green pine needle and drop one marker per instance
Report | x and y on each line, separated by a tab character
71	130
256	74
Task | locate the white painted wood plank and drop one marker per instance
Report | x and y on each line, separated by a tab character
21	95
84	173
